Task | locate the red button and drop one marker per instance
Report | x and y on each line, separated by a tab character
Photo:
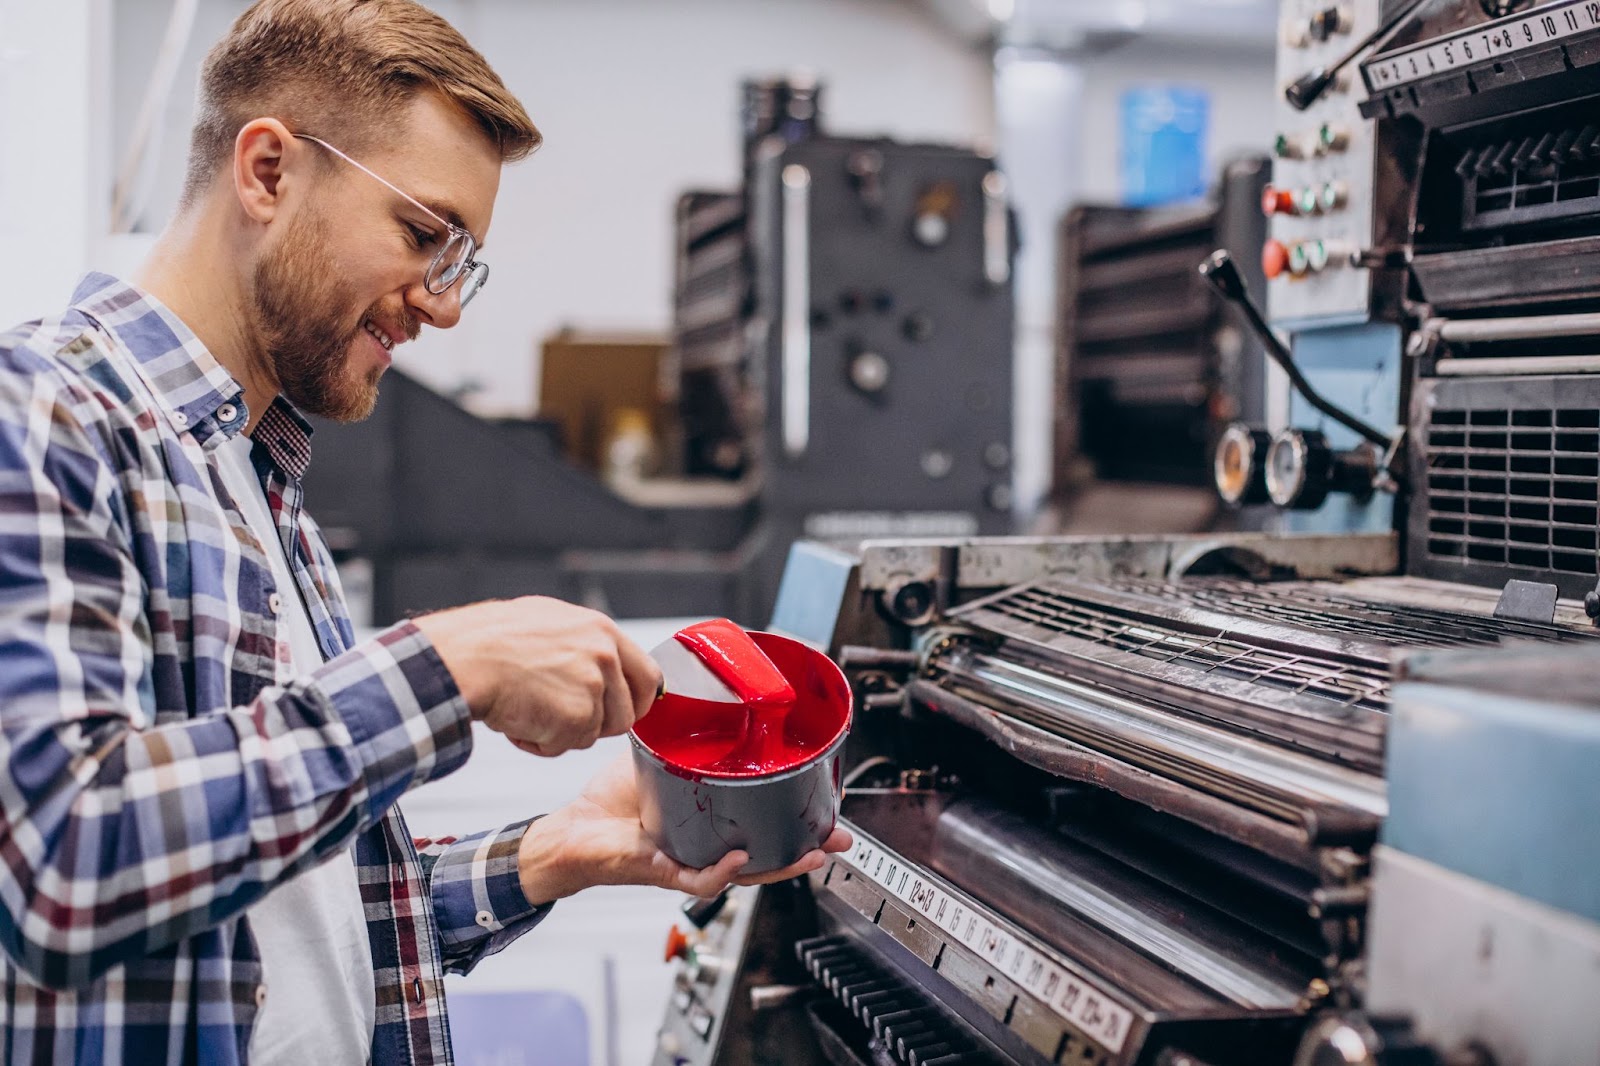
1274	258
677	945
1276	201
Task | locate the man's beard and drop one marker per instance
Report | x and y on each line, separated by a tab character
300	302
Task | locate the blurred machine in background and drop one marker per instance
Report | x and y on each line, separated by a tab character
1321	797
1151	365
841	368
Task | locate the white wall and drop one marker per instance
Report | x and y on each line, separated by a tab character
638	101
48	166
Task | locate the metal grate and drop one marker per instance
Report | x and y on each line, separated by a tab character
1295	662
1320	608
1518	488
1553	173
1347	681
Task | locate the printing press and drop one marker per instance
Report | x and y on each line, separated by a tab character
1323	795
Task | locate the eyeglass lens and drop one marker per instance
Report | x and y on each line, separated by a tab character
446	266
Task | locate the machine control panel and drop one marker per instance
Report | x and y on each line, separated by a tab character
705	957
1319	204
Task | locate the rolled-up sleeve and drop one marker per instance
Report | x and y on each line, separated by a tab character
477	894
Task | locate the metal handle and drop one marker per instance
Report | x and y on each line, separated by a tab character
1218	268
796	377
996	230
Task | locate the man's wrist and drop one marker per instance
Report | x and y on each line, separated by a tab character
543	868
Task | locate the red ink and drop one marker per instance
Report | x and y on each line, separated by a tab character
736	660
698	738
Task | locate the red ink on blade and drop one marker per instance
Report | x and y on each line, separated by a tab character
701	737
730	654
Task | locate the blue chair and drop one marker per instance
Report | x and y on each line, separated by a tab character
518	1029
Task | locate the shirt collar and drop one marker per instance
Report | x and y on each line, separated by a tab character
197	392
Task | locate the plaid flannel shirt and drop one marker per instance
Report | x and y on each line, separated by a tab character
159	769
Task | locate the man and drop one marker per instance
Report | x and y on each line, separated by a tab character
198	766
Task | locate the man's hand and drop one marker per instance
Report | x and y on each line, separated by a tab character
549	675
597	840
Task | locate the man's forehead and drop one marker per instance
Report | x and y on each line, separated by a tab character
444	160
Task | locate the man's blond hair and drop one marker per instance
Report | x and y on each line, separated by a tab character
340	69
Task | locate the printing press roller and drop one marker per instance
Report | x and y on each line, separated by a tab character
1056	934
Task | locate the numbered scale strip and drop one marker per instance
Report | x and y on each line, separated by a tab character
1491	40
1087	1008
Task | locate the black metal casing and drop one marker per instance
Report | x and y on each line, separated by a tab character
934	440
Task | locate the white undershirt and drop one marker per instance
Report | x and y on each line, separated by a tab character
311	931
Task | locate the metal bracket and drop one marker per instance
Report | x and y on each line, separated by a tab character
1527	601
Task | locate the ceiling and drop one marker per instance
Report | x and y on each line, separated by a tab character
1077	27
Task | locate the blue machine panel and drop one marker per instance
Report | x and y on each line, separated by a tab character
1357	368
811	597
1494	770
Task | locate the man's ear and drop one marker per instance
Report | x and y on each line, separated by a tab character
260	166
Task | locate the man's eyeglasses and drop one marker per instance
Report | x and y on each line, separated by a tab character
454	259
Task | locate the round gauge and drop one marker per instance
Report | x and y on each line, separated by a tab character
1236	467
1286	468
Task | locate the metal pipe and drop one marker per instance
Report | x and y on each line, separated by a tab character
1520	365
1529	327
866	657
796	403
996	230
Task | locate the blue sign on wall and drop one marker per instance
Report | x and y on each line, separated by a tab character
1164	145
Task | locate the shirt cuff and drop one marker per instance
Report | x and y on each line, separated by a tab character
478	900
407	720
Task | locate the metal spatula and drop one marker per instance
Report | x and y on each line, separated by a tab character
683	674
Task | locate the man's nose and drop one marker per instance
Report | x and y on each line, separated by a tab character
439	310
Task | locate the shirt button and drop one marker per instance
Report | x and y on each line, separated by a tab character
227	412
275	603
180	418
486	919
261	995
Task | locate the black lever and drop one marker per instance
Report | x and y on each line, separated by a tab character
1219	269
702	912
1304	92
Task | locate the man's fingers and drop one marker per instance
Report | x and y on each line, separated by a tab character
644	677
812	860
838	840
617	709
713	879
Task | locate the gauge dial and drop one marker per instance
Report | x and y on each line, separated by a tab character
1286	468
1237	466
